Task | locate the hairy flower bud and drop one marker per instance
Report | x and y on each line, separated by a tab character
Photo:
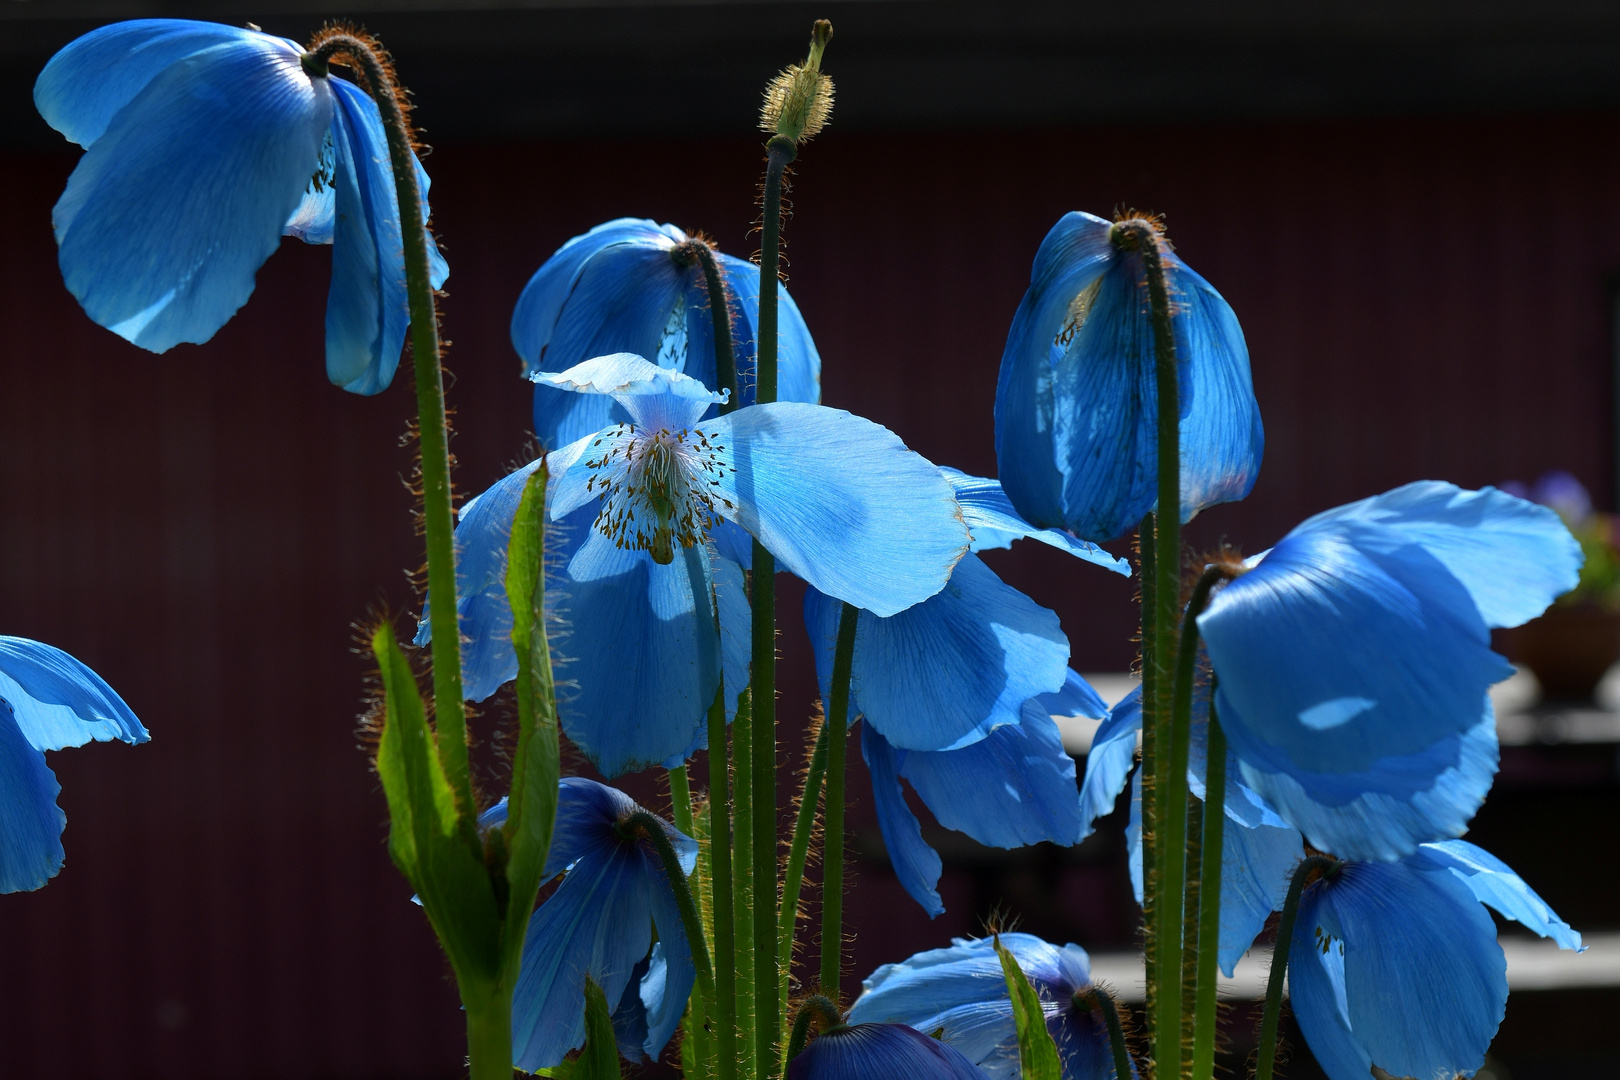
798	102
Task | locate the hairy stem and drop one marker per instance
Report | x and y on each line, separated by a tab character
1309	868
1209	900
832	869
793	879
725	932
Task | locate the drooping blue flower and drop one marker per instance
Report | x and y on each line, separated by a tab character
838	500
600	923
634	286
962	990
205	144
1076	419
864	1051
48	701
1354	658
1396	964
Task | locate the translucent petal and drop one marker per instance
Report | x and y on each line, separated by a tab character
1110	760
670	978
654	397
1256	866
840	502
1493	882
990	516
31	824
57	701
915	863
798	364
172	210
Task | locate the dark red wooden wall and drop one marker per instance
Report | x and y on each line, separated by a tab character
1421	299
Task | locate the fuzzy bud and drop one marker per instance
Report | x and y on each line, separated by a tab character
798	102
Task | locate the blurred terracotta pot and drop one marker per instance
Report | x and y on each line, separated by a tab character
1569	648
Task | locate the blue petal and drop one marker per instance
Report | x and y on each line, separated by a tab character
1109	762
1425	982
655	398
1512	556
1256	866
1133	835
58	702
1075	698
1493	882
665	991
85	85
367	312
169	214
864	1051
1012	788
915	863
630	1014
31	824
798	364
840	502
990	516
945	673
736	646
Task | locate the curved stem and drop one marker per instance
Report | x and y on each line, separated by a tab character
793	880
649	827
832	863
1145	537
725	947
1103	1002
432	425
813	1008
1209	900
725	355
1310	867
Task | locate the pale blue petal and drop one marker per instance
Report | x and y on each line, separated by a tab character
1256	866
867	1051
57	701
655	398
994	523
1109	762
915	863
1425	982
840	502
732	542
85	85
1075	698
31	823
172	210
945	673
1512	556
670	977
798	364
1133	835
1493	882
1315	979
562	417
1012	788
736	647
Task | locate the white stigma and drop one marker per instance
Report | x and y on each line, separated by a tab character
658	488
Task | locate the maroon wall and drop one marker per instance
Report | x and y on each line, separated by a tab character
1422	299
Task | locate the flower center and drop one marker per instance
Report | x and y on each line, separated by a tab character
657	487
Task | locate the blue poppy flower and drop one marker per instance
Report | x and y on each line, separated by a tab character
961	993
1354	660
837	499
1076	401
630	285
863	1051
205	144
48	701
1396	965
600	923
1259	850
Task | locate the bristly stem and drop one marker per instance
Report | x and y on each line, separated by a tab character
798	853
816	1007
1145	535
645	825
1142	237
742	899
1309	867
725	355
767	1025
725	932
680	799
1209	899
1101	1000
433	427
832	863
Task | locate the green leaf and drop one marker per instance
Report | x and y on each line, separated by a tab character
532	802
426	836
1037	1053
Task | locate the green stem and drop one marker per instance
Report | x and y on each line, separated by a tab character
1266	1058
645	825
1103	1002
1190	898
767	1025
1170	798
832	863
1209	900
793	880
725	357
742	819
680	799
489	1038
725	948
1149	769
815	1007
432	425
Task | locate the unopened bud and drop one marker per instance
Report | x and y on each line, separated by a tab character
799	101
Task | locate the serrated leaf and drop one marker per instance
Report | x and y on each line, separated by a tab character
532	803
1037	1053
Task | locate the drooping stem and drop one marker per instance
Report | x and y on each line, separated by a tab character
1103	1002
645	825
1141	236
680	799
767	1025
725	356
725	932
816	1009
1209	900
433	427
742	820
832	869
1310	867
793	879
1145	536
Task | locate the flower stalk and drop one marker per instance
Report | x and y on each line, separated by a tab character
1207	947
832	871
798	853
1309	869
1102	1002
